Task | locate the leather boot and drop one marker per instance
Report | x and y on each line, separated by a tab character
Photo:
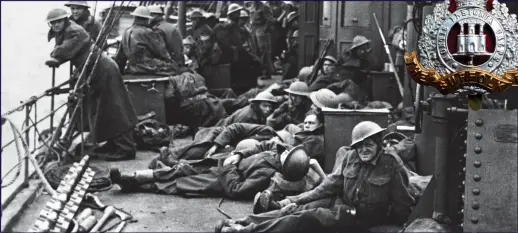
131	182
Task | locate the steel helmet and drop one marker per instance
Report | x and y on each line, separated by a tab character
233	8
286	137
291	16
56	14
155	9
295	34
247	143
77	3
244	14
364	130
358	41
264	96
142	11
378	105
304	72
323	98
330	58
343	98
296	165
195	15
397	136
298	88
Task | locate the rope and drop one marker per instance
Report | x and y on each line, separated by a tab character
19	156
220	210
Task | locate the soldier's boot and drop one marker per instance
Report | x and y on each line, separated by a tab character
139	181
229	225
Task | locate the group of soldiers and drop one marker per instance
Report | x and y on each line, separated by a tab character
266	144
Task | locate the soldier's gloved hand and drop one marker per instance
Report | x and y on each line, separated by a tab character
52	63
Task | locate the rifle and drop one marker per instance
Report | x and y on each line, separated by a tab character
318	63
387	51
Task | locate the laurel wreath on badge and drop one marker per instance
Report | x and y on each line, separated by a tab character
469	51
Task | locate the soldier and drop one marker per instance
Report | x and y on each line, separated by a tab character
256	113
236	181
198	23
262	29
81	15
291	58
294	110
327	74
356	62
173	37
369	189
108	107
143	50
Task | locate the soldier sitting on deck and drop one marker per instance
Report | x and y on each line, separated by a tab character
234	180
369	189
294	110
256	112
81	15
143	49
172	36
326	76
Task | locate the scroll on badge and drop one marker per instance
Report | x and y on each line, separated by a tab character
468	48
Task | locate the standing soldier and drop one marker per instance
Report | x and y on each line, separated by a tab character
110	112
81	15
263	28
198	24
143	49
173	37
290	58
356	62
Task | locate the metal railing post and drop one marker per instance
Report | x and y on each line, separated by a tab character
26	159
52	101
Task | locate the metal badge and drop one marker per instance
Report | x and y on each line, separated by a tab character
454	55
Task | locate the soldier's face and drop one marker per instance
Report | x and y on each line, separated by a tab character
57	25
296	100
186	48
311	123
266	108
328	67
243	21
77	11
367	149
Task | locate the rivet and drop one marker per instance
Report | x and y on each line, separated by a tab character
465	142
477	163
474	220
462	225
478	150
465	155
477	178
463	169
479	122
476	192
475	205
478	136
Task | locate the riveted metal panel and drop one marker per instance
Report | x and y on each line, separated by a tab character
491	177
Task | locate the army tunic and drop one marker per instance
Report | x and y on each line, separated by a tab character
249	114
108	105
87	21
173	40
377	190
286	114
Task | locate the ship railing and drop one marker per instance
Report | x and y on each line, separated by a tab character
22	137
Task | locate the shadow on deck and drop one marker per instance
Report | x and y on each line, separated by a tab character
152	212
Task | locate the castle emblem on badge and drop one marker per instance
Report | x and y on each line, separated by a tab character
471	50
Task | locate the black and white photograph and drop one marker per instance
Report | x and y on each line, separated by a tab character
259	116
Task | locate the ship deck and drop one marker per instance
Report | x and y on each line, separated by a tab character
151	212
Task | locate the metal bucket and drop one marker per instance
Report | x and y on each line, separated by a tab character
339	124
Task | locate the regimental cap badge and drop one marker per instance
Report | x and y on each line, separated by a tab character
468	48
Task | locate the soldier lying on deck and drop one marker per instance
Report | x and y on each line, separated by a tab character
369	189
209	141
204	178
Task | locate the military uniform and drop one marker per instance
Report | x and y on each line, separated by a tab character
286	114
87	21
144	52
110	112
377	190
348	86
173	40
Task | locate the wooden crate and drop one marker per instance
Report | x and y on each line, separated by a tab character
147	96
339	124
